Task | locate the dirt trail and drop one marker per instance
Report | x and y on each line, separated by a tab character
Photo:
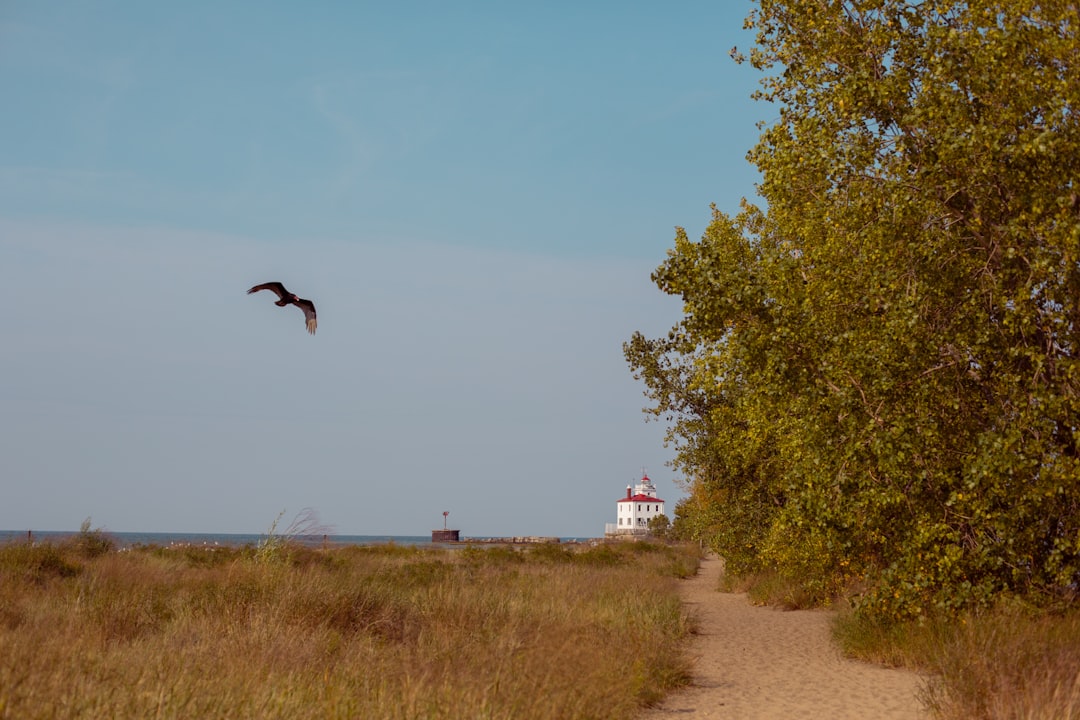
754	663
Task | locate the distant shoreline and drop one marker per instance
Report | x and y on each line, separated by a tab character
128	539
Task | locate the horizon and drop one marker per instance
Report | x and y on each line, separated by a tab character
474	197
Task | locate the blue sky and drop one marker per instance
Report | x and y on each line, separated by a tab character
473	195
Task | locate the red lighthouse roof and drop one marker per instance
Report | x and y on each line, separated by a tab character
641	497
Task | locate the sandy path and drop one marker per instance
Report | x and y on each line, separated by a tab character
760	663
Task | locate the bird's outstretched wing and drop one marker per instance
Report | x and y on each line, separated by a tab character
309	314
277	287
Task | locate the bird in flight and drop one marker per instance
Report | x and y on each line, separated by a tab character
287	298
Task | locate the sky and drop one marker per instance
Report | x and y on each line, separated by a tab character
474	195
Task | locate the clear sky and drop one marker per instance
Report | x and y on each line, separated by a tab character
473	194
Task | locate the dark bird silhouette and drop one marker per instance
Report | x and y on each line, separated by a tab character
287	298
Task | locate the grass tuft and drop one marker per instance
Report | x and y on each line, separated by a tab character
89	543
772	588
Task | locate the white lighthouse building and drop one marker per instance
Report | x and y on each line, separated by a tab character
635	510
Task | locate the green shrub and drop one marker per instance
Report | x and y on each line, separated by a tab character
91	543
603	554
550	552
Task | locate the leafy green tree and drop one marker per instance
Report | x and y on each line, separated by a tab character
875	380
660	526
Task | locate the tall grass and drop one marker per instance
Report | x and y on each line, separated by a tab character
1009	663
350	632
772	588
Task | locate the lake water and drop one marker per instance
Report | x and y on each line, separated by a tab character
128	539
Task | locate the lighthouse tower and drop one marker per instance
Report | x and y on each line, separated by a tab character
635	510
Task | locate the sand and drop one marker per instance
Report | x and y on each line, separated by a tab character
756	663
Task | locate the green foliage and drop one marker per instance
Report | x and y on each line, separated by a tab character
604	554
91	543
481	554
660	526
550	552
875	387
271	546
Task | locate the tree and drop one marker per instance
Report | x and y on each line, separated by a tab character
659	526
876	373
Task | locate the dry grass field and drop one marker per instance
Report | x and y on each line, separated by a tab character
350	632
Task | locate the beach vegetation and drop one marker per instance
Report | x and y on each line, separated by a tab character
340	632
91	542
277	543
873	391
660	526
1013	661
